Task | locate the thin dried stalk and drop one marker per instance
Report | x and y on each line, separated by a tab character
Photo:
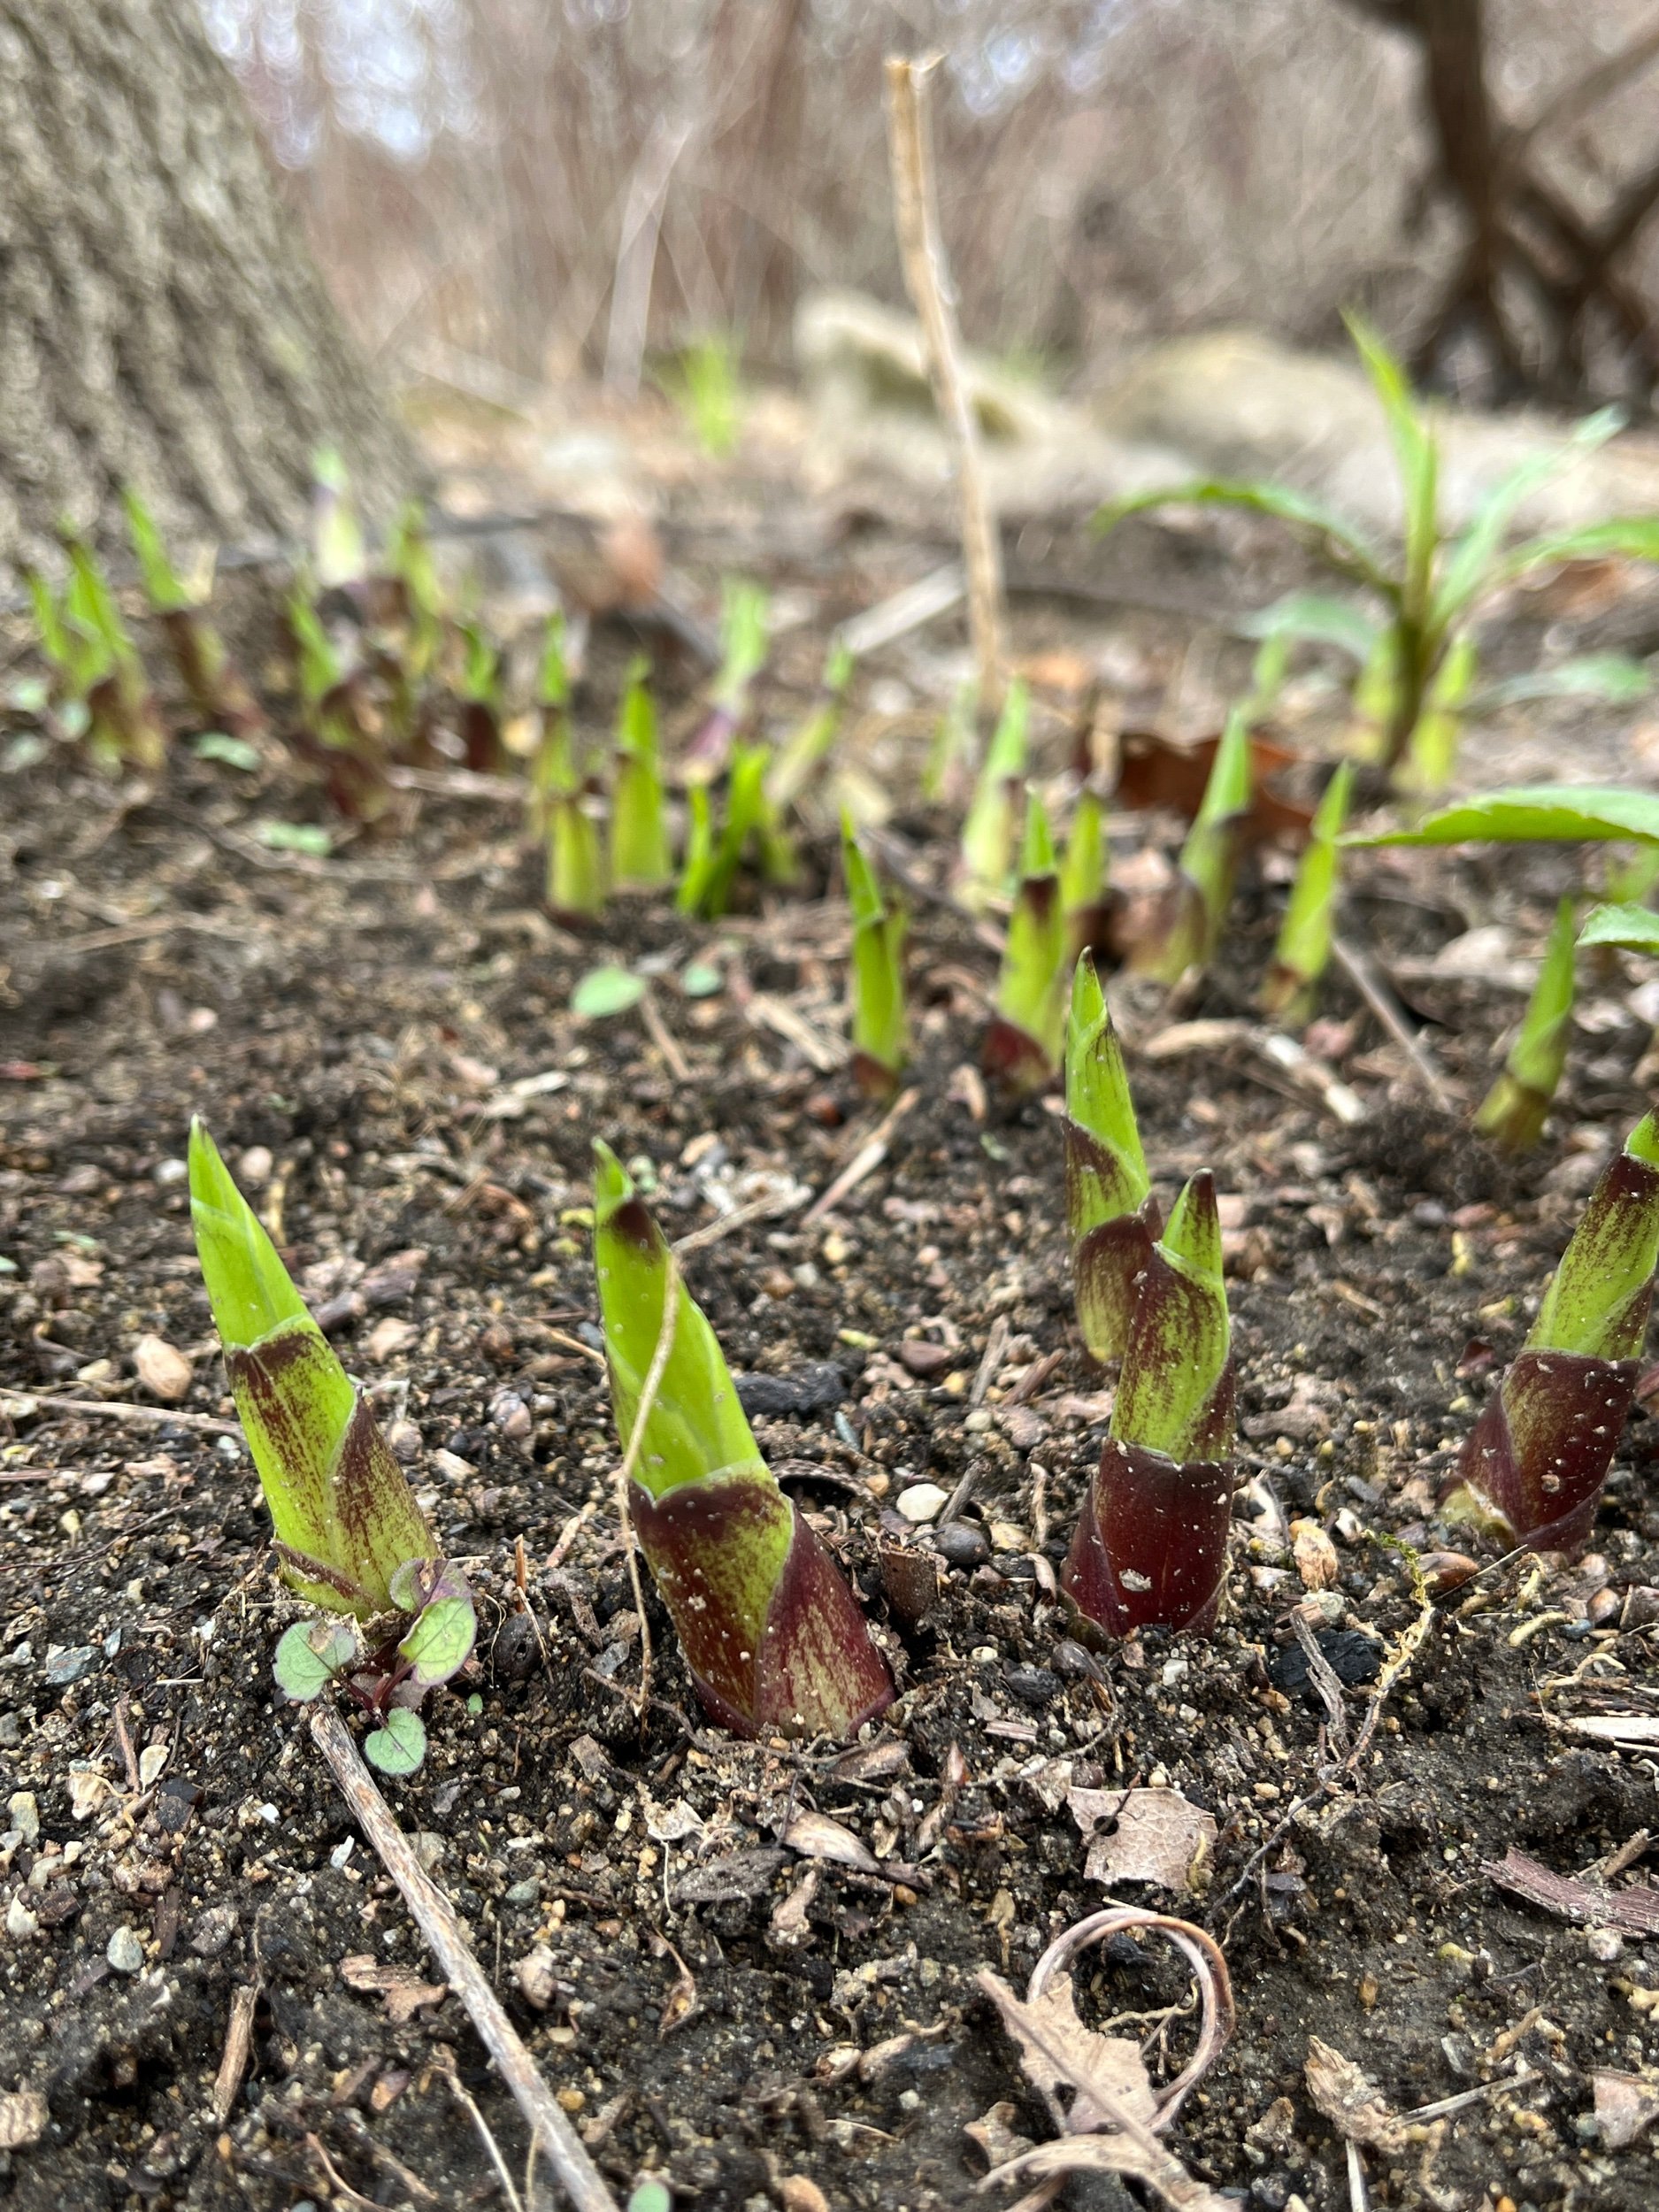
921	249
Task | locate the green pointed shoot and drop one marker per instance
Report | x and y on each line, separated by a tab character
218	690
987	835
805	751
745	616
639	858
340	557
345	1518
1110	1219
953	745
880	1023
1208	862
1535	1464
1304	947
1022	1045
123	726
1151	1545
482	688
712	863
697	864
771	1633
414	573
1514	1111
1083	873
575	854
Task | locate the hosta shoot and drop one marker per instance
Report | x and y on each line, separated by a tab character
804	752
1084	871
349	1536
745	618
1426	599
639	857
1514	1111
1303	949
880	1022
481	688
771	1631
1112	1220
575	851
218	690
417	593
340	553
1208	862
339	732
1022	1045
1151	1545
992	824
1535	1464
712	862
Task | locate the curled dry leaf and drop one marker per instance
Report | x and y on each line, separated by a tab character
1106	2073
995	2133
816	1836
401	1987
1350	2099
791	1925
1315	1555
1145	2161
1158	1836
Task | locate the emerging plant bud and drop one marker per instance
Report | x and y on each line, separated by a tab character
575	857
1535	1462
1151	1544
638	829
1304	937
989	833
745	622
1208	862
771	1633
345	1518
218	690
880	1025
1515	1110
1084	896
1022	1045
1111	1217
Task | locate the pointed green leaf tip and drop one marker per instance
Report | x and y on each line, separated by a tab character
343	1513
1098	1102
248	1287
863	895
1175	1395
1597	1302
1036	854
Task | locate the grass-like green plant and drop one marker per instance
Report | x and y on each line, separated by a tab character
745	641
1208	864
218	690
1425	601
1021	1044
1151	1544
881	1020
99	690
575	849
1111	1216
710	865
639	855
706	385
771	1633
339	731
1535	1464
804	752
340	552
1514	1111
416	593
1304	947
349	1536
992	826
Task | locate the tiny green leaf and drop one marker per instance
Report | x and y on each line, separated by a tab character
1514	1111
295	837
1337	540
602	992
1631	928
988	834
399	1744
235	752
1318	618
701	978
441	1641
311	1655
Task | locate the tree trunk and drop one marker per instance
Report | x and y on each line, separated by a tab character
160	321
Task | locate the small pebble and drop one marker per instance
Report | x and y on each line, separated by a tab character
23	1814
404	1439
1033	1685
20	1922
63	1667
1605	1945
452	1467
962	1544
537	1977
516	1650
921	1358
170	1172
511	1416
922	1503
1641	1606
255	1168
125	1951
162	1369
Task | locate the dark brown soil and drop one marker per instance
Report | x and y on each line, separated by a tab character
363	1021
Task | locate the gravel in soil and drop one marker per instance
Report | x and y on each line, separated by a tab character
382	1045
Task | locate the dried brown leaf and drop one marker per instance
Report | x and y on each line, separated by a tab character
401	1987
1158	1838
1350	2099
816	1836
995	2133
1105	2074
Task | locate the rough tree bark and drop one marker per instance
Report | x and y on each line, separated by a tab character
161	320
